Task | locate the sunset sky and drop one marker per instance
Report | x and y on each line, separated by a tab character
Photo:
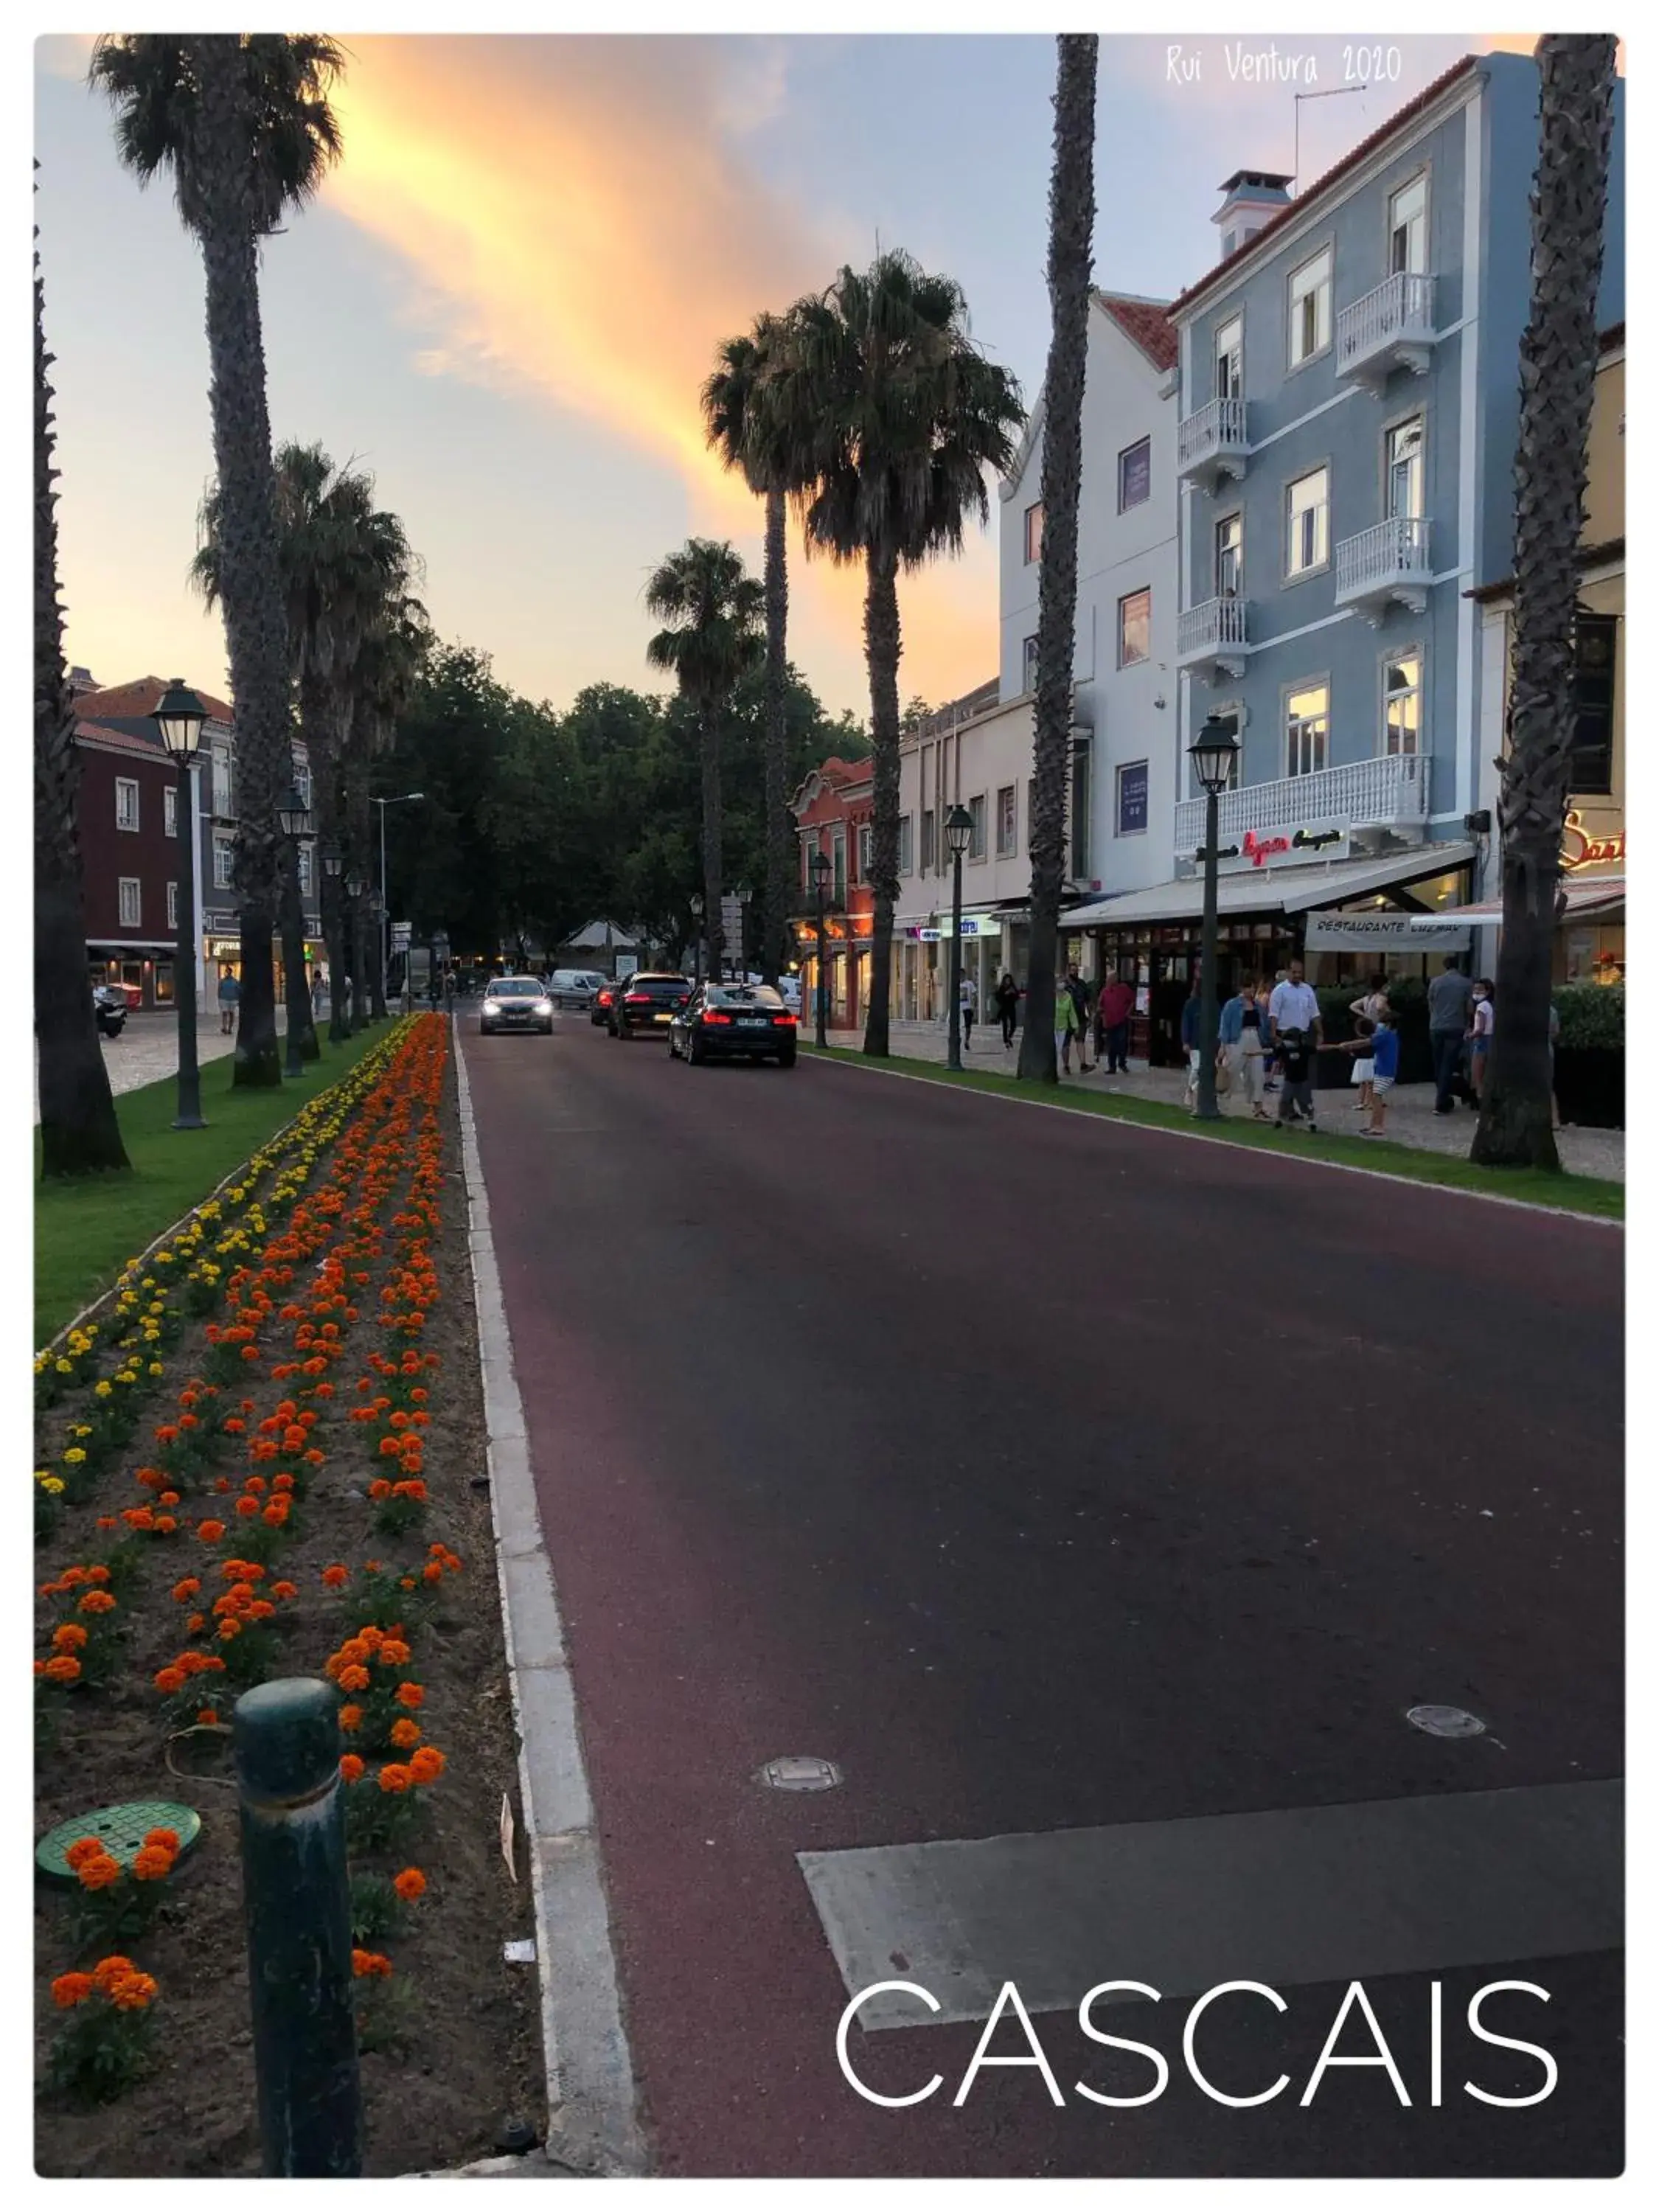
504	300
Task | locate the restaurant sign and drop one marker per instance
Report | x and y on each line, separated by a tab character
1580	850
1332	931
1280	848
973	924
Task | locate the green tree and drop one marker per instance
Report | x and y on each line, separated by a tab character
1558	382
243	125
901	415
1070	230
79	1132
713	610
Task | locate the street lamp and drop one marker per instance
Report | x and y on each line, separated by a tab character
821	872
958	829
179	715
402	799
294	820
1214	754
355	884
743	895
697	937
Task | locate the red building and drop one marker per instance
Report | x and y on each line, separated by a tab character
128	859
834	813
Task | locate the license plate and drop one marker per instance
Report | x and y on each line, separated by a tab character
662	1018
753	1022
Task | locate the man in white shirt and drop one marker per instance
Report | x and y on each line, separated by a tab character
1295	1006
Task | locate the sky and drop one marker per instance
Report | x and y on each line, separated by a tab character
505	300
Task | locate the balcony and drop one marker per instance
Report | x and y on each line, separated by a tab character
1390	328
1211	639
1210	445
1385	566
1388	792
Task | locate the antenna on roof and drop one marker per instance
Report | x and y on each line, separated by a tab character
1335	93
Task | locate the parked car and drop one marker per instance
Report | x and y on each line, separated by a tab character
515	1002
600	1012
109	1008
734	1021
789	986
576	987
646	1003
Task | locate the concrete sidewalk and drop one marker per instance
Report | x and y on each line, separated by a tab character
147	1049
1412	1118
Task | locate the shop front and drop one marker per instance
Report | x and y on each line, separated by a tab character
1590	930
846	969
222	955
143	972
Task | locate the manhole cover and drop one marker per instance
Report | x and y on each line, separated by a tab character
121	1830
1445	1720
799	1774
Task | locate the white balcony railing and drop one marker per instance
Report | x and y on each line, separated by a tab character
1389	791
1391	327
1388	561
1211	441
1215	632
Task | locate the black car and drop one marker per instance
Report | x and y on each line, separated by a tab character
646	1003
515	1002
109	1007
734	1021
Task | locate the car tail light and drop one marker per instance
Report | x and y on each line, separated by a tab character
604	997
785	1022
720	1021
637	999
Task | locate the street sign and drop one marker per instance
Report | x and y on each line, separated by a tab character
731	920
400	935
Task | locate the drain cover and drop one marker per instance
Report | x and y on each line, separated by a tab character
120	1829
1445	1720
798	1773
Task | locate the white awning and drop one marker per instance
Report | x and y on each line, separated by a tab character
1271	890
1586	897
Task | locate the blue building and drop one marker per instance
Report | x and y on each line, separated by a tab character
1349	405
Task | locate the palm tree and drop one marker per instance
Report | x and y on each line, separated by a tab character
243	125
713	611
1558	381
79	1132
752	435
1070	230
391	655
899	416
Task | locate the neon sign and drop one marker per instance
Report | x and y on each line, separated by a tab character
1580	850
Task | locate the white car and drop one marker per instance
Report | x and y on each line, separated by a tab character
576	987
790	988
515	1002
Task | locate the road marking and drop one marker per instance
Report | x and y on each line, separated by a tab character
1321	1893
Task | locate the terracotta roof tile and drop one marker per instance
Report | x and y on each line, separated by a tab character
126	741
118	701
1147	323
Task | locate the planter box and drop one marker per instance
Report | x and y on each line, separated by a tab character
1589	1086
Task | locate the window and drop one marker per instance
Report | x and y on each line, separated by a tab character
131	896
126	803
302	783
808	847
224	863
1311	309
929	845
1028	666
173	906
1403	451
1308	511
838	866
1132	799
1230	359
906	854
1402	702
866	850
1229	243
224	782
1007	821
1134	475
1596	641
976	835
170	811
1229	557
1033	532
1408	229
1134	628
1079	796
1307	729
304	871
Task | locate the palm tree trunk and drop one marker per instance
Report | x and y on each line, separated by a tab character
255	629
1558	383
359	988
883	645
1071	228
708	745
780	870
376	970
302	1030
79	1132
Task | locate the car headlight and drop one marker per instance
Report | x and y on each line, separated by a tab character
543	1007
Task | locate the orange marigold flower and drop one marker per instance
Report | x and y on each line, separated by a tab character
207	1718
284	1590
248	1507
336	1577
169	1498
71	1989
261	1609
97	1574
410	1884
152	1865
132	1992
405	1734
427	1763
164	1839
389	1446
170	1680
210	1531
371	1637
380	1488
255	1483
70	1637
432	1572
351	1718
313	1458
96	1600
394	1779
83	1847
394	1654
71	1578
365	1964
410	1694
98	1873
351	1767
275	1513
110	1970
196	1624
229	1629
353	1677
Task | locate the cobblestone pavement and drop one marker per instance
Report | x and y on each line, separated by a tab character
1412	1118
147	1049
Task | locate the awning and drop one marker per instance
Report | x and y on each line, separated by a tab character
117	945
1592	895
1273	890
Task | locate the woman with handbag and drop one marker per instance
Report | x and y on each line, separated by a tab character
1241	1057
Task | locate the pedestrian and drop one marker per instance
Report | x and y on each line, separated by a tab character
968	1001
318	994
1112	1012
1079	996
1385	1069
1367	1012
1295	1006
1269	1057
1007	997
1240	1045
1450	995
1065	1025
1295	1061
230	995
1191	1018
1481	1021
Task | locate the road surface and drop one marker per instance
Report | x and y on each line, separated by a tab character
1069	1487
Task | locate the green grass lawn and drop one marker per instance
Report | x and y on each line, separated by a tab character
1568	1194
86	1230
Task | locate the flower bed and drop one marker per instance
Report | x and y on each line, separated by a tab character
263	1457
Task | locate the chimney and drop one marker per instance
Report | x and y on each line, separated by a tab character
1250	198
80	680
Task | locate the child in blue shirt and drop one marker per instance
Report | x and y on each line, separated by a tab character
1382	1047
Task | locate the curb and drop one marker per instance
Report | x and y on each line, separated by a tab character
593	2118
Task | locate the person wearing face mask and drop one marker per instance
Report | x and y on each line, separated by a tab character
1480	1036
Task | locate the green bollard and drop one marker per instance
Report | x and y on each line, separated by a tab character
297	1902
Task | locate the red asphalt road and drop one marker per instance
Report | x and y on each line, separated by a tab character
1043	1473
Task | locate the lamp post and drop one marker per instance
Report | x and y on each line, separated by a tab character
697	937
821	867
294	820
958	829
743	895
1213	754
179	715
339	1014
356	885
402	799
